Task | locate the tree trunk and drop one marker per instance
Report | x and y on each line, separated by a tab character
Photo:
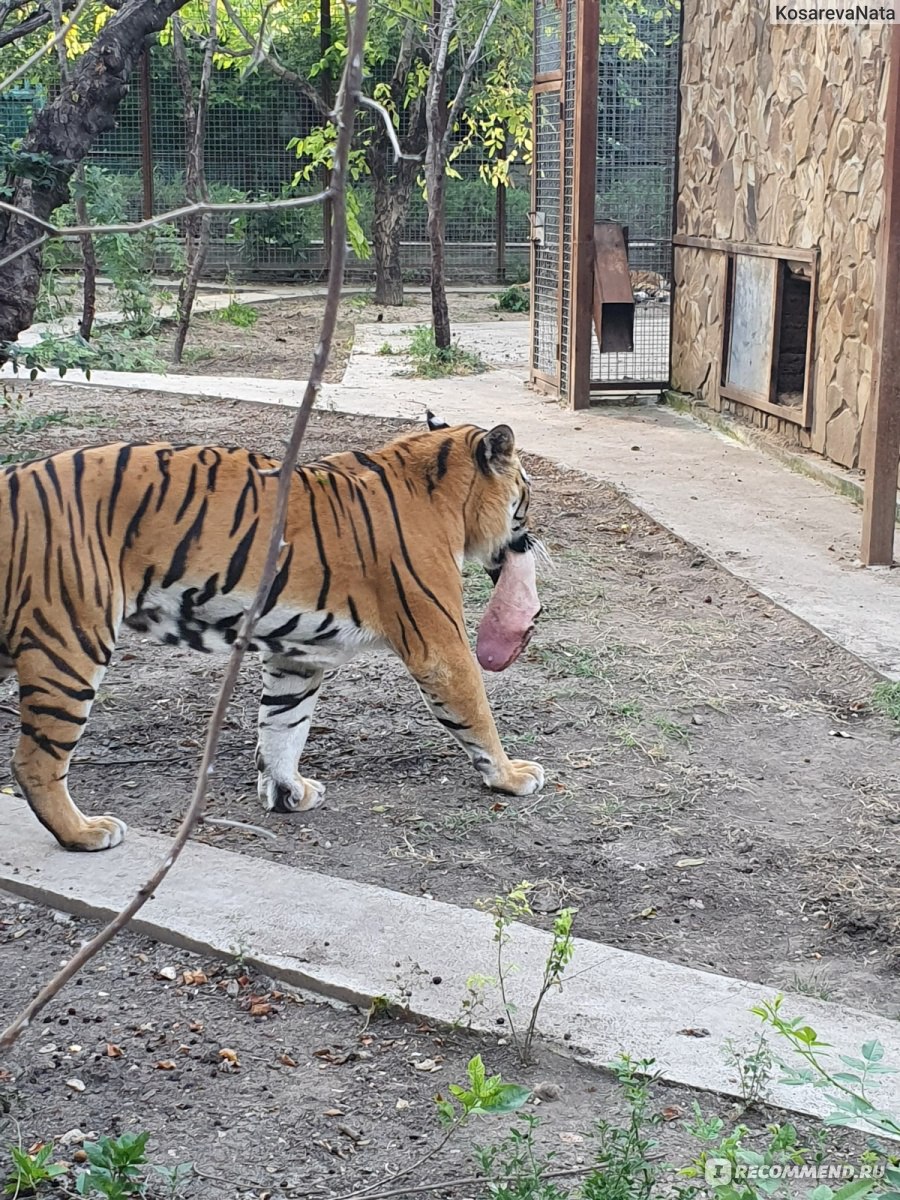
440	312
89	261
63	134
436	117
393	191
197	230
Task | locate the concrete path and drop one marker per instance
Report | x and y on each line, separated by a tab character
353	942
788	536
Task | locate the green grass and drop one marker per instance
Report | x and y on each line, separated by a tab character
243	316
515	299
429	362
886	700
579	661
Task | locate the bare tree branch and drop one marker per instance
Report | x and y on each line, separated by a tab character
466	77
39	54
389	129
344	120
256	46
176	214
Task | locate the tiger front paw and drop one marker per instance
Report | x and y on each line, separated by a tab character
294	795
97	833
518	778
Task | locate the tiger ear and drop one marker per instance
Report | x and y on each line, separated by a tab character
433	422
496	449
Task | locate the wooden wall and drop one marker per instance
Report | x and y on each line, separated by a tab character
782	144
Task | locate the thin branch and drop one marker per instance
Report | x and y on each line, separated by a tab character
32	245
344	119
48	45
466	1181
466	78
259	53
224	823
367	102
69	232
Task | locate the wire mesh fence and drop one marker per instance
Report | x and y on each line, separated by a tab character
251	123
637	132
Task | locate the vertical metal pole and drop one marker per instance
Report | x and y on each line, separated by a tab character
578	376
324	47
882	435
146	127
500	228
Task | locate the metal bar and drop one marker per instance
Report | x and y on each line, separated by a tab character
587	41
501	227
146	130
882	433
676	178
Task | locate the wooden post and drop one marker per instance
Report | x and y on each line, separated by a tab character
881	443
584	190
146	127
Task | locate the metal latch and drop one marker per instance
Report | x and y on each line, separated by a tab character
537	220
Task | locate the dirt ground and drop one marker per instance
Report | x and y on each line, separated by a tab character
306	1099
719	792
280	344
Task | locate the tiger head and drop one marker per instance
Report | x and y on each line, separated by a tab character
494	491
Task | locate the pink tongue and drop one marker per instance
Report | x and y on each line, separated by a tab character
508	622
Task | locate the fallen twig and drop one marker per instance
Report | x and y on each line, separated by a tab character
344	118
225	823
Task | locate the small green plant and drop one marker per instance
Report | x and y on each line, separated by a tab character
754	1068
505	911
849	1086
30	1171
243	316
386	350
485	1096
515	299
886	700
115	1167
429	362
514	1168
110	350
474	999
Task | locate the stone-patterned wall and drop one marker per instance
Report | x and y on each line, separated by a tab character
782	144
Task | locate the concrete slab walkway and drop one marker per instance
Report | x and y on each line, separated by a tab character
788	536
353	942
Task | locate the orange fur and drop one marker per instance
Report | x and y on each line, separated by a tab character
172	541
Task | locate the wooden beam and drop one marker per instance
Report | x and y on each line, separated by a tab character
881	443
583	192
689	242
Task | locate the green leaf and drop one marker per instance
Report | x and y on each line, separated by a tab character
854	1189
508	1098
873	1051
476	1074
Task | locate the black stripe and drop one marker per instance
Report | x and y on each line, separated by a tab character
320	546
77	479
354	614
179	558
45	626
238	561
60	663
402	594
59	714
278	584
189	494
163	458
50	468
118	476
52	746
134	524
365	461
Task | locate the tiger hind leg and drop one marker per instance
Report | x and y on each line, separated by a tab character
56	692
290	691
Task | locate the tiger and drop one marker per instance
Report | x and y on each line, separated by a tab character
171	539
